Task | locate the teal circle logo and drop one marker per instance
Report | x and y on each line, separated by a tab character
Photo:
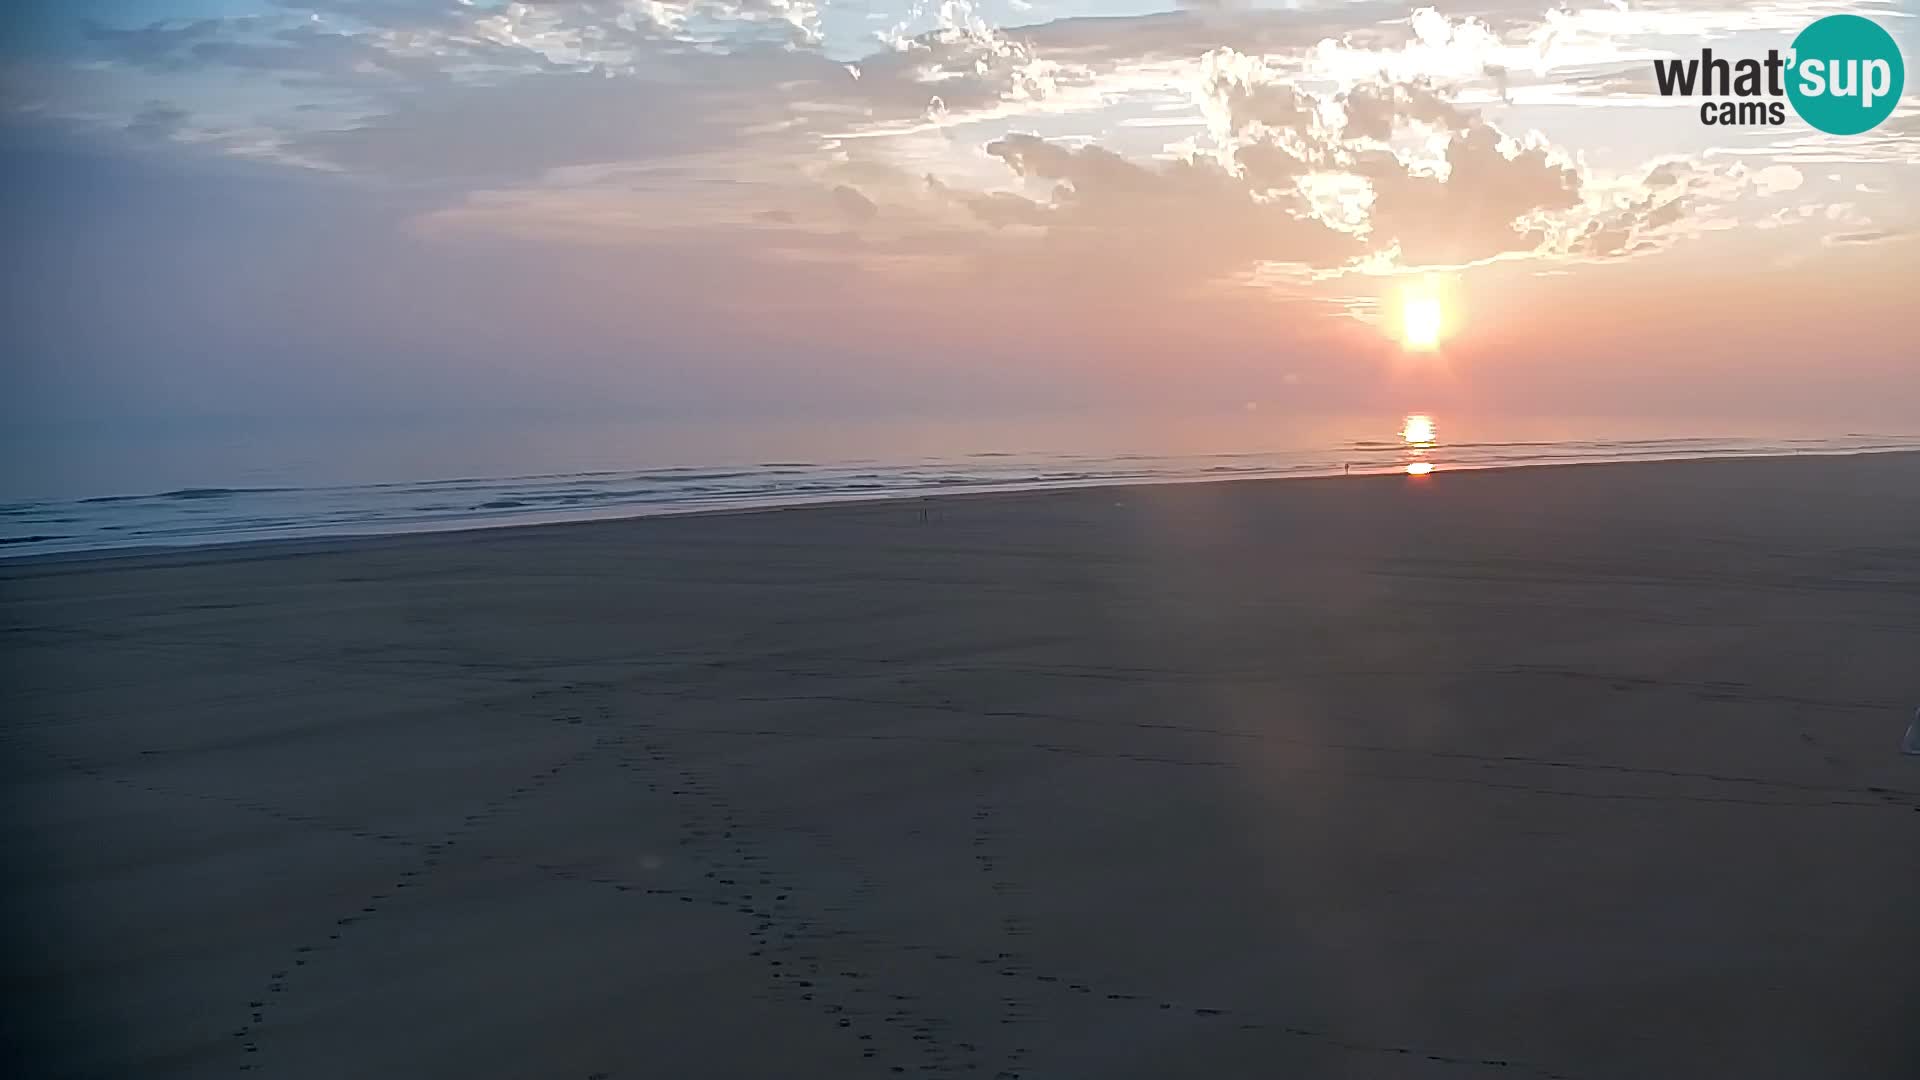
1846	74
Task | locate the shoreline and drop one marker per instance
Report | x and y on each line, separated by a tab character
320	543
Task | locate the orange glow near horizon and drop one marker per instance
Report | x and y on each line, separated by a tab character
1419	468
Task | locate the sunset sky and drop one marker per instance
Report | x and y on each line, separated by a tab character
297	208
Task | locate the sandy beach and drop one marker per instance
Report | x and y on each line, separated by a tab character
1560	772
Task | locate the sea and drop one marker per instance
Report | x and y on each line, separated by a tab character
112	494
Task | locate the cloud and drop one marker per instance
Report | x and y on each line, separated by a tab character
1371	168
1241	92
1477	211
1308	177
1775	179
562	178
1869	236
558	120
158	120
1330	137
1187	216
1374	108
963	64
422	91
159	46
998	209
1674	200
1611	81
299	52
855	207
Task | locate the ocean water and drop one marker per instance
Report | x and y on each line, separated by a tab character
326	494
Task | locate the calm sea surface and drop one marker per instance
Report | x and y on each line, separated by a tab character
111	493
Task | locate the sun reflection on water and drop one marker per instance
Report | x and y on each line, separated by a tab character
1419	433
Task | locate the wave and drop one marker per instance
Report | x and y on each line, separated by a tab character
187	494
208	514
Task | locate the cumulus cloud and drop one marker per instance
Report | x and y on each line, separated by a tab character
1240	92
1775	179
1673	200
1320	179
1478	209
1189	214
1323	141
1372	109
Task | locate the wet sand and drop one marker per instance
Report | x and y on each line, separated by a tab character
1575	772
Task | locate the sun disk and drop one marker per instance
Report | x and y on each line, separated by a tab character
1421	322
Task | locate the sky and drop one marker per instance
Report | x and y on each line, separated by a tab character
292	210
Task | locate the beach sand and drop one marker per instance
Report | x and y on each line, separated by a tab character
1578	772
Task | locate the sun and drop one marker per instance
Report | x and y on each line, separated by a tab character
1421	322
1425	313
